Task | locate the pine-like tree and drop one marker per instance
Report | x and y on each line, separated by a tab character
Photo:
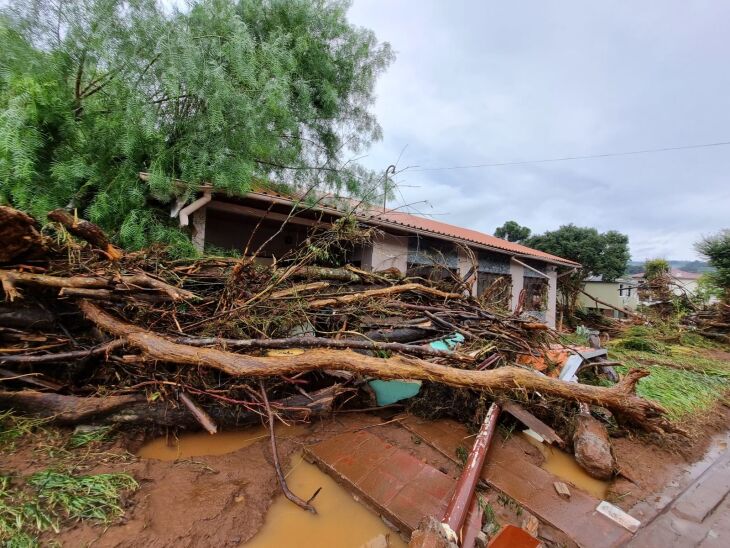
226	92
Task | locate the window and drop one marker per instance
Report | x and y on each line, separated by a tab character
536	293
495	289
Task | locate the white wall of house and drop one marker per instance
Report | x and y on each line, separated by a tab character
517	271
552	307
465	264
611	293
386	251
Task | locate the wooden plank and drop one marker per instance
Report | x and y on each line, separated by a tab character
531	421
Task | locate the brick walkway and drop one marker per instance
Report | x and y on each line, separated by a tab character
397	485
700	516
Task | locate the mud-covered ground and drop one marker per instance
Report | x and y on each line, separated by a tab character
223	499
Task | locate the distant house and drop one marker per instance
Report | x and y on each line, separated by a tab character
686	283
621	294
414	245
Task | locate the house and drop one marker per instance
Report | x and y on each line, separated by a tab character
609	298
684	283
414	245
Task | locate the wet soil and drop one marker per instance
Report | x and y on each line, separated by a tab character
224	499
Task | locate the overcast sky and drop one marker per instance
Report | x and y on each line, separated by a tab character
488	82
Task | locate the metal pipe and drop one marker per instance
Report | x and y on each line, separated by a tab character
196	205
458	507
535	270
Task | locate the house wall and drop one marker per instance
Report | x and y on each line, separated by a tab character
608	292
465	264
517	271
552	308
386	251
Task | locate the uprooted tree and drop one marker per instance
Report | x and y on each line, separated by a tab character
227	92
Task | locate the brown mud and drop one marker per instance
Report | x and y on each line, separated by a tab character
197	499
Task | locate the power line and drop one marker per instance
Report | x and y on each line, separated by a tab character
568	158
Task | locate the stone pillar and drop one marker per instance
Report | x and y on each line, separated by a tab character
552	304
386	251
517	271
198	230
464	265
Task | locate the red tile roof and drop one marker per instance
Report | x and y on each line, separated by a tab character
414	223
467	235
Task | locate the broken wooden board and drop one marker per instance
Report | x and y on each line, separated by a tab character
531	421
507	471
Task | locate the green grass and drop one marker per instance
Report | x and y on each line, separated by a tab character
83	438
46	499
96	497
684	379
13	427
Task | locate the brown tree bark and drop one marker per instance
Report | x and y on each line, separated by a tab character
381	292
87	231
620	399
18	234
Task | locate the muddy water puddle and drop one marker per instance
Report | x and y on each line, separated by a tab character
341	520
563	465
201	443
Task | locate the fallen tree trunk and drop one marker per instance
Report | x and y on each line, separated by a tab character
66	409
59	357
620	399
11	279
324	342
381	292
135	409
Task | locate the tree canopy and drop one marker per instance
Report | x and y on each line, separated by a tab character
600	254
512	231
717	250
653	268
228	92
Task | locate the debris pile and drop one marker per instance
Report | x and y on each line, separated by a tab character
104	336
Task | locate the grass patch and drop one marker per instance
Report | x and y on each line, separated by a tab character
82	438
684	379
13	427
96	497
46	499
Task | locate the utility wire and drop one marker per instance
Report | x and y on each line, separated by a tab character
568	158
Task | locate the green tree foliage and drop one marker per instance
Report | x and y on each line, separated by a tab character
717	250
227	92
600	254
653	268
513	232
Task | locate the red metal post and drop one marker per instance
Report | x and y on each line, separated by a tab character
459	504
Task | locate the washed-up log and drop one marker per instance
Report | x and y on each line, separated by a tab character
25	316
324	342
620	399
18	234
87	231
11	279
324	273
65	409
135	409
61	357
297	289
381	292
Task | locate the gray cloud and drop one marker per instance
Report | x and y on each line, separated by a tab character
478	82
